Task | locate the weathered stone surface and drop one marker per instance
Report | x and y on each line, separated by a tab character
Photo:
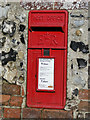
2	41
81	63
8	27
12	112
1	71
71	5
37	5
71	104
21	54
21	17
10	75
4	11
10	56
10	89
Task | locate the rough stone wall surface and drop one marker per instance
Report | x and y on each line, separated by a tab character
13	61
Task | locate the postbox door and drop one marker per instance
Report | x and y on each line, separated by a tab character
46	99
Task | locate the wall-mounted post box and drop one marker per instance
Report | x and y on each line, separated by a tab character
47	59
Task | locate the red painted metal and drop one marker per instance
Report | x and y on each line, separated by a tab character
47	29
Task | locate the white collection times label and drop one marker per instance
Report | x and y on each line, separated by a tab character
46	74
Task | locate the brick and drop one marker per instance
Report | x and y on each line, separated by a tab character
84	106
4	99
12	112
87	115
84	94
16	101
22	91
31	113
11	89
57	114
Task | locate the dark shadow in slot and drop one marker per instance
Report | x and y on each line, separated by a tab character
50	29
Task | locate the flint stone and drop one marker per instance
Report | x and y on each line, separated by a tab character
75	92
2	41
22	39
74	45
14	42
82	63
10	75
10	56
21	17
21	64
71	66
22	27
78	23
8	27
77	80
82	47
4	11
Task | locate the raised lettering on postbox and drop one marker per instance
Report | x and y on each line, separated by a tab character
47	18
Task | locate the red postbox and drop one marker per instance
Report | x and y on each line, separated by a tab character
47	59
